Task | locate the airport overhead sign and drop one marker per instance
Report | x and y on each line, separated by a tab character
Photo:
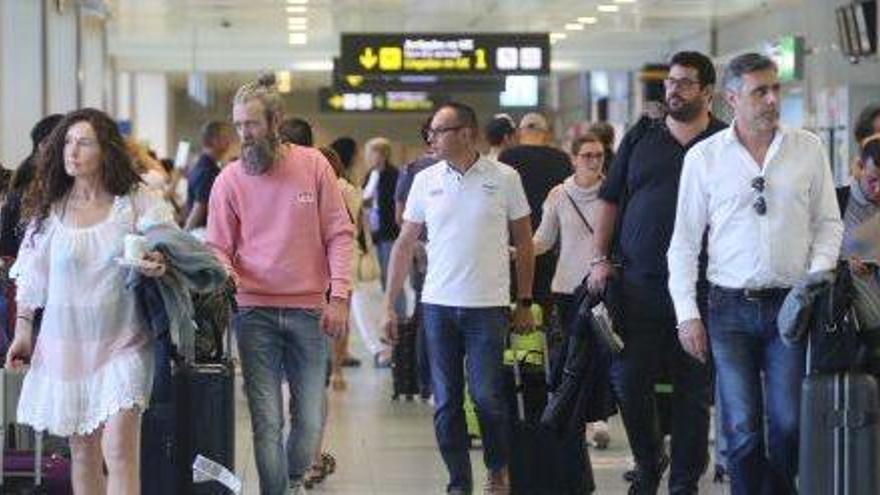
414	82
381	101
461	54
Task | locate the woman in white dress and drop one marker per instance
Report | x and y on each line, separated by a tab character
91	367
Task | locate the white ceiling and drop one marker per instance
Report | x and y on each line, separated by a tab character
250	35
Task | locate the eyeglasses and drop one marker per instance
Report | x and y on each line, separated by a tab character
760	204
684	83
432	132
591	156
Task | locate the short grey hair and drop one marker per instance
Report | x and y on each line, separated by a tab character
744	64
263	89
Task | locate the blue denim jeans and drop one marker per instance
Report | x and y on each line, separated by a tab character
274	344
383	253
451	334
746	345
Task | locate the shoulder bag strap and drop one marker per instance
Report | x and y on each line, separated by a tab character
578	210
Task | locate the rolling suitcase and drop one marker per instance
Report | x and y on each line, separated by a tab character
27	471
205	410
535	451
404	361
840	435
192	412
839	450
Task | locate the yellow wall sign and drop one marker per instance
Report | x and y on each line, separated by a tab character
446	54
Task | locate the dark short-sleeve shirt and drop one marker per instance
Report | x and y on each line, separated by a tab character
405	179
647	171
541	168
200	180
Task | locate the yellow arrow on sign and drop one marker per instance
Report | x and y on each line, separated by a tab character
335	101
354	81
368	59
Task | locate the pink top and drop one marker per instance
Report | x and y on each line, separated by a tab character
285	235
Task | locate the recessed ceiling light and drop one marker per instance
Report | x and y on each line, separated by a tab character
297	9
297	27
297	38
587	20
297	21
624	1
608	8
297	2
574	26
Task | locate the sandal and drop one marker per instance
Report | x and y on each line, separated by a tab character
328	463
313	476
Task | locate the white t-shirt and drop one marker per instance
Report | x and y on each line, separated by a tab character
467	220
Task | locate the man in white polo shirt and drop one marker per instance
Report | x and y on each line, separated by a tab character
766	195
470	207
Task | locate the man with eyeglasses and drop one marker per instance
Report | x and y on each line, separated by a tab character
641	191
766	195
470	207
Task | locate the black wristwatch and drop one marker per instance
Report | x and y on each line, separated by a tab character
525	301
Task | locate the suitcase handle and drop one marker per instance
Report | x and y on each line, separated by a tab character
517	373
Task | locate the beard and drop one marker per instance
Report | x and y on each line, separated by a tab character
258	154
682	110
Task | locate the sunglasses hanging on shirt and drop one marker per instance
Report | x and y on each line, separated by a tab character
760	204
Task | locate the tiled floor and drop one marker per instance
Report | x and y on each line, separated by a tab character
388	448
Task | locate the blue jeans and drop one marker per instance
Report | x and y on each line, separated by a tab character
451	334
273	344
745	344
383	253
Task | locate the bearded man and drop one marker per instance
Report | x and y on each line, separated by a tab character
642	190
279	223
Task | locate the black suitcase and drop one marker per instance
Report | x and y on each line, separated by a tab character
192	412
404	360
535	452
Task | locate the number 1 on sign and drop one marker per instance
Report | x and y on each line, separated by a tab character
480	55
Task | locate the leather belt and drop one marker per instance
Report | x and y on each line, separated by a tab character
754	294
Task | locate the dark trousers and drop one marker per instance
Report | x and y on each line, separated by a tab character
651	348
577	468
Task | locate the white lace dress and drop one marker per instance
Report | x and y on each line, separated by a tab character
92	357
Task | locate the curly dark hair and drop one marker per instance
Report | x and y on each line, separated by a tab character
52	182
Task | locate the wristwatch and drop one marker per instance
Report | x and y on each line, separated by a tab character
597	260
525	302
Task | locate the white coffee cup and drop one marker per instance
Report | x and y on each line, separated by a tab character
135	247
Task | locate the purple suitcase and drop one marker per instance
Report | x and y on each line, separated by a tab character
20	471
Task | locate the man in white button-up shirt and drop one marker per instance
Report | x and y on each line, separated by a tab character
767	196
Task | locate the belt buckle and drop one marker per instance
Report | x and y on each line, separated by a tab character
752	294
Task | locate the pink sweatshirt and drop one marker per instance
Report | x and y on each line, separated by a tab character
285	234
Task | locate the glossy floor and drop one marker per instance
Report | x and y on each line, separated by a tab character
388	448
